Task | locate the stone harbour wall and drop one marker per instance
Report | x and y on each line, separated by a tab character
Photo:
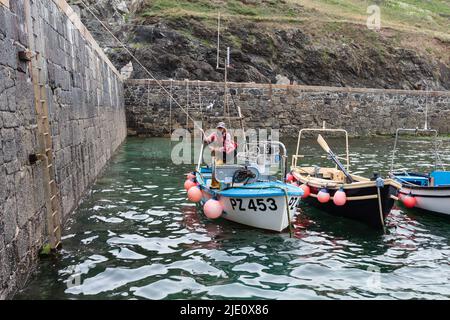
289	108
87	120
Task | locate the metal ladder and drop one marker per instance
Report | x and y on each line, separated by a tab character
45	153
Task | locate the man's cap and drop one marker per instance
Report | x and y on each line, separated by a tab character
221	125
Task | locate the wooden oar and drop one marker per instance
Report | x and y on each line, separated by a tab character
327	149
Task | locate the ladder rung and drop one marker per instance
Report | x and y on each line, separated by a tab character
45	133
50	165
51	181
42	101
48	150
54	213
53	198
56	229
44	117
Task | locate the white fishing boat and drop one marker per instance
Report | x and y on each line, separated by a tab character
250	193
426	191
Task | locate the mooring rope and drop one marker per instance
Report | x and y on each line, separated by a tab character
141	65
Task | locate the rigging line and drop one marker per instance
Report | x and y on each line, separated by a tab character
142	66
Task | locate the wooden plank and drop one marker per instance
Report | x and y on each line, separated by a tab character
5	3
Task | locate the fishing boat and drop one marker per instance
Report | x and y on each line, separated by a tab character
426	191
250	193
336	191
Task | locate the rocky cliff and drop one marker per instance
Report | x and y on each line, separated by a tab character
277	41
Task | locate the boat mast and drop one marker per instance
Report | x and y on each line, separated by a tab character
226	107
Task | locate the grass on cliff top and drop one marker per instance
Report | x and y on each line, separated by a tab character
429	16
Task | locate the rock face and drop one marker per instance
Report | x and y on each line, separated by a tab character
286	108
312	54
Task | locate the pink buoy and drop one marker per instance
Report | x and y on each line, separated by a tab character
409	201
290	177
340	198
194	194
190	176
189	184
323	196
213	209
306	191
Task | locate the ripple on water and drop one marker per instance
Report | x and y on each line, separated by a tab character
136	236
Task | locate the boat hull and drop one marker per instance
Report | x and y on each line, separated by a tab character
267	213
365	210
433	199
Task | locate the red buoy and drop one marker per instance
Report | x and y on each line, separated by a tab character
290	177
190	176
323	196
340	198
306	191
189	184
409	201
213	209
195	194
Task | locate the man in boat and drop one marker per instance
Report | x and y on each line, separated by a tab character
225	146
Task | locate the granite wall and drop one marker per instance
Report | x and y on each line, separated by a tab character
87	120
286	107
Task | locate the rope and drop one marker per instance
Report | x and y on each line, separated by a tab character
380	184
140	64
170	107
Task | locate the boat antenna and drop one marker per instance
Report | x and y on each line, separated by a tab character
218	40
159	83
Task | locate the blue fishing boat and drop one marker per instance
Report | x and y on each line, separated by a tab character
250	193
425	191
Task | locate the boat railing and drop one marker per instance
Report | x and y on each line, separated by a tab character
417	131
265	154
298	156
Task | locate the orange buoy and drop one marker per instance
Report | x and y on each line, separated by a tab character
323	196
194	194
189	184
340	198
306	191
213	209
409	201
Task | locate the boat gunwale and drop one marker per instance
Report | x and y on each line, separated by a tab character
278	192
333	184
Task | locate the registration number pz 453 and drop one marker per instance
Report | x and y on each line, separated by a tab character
259	204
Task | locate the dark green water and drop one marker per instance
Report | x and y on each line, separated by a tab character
136	236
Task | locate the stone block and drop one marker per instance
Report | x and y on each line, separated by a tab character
10	219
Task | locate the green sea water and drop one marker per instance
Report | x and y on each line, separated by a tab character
135	236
